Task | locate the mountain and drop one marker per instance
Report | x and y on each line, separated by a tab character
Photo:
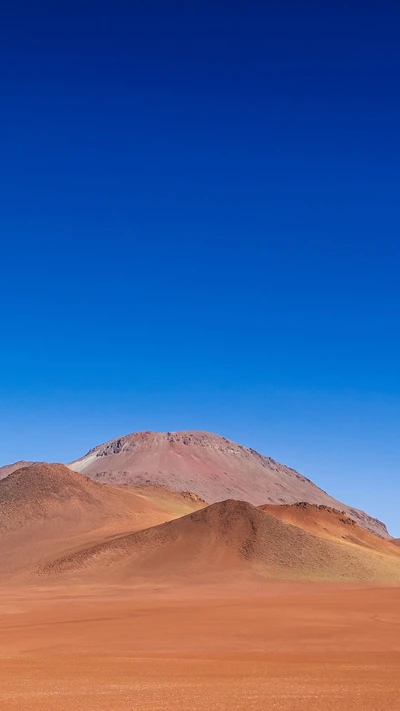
10	468
212	467
45	508
56	523
230	540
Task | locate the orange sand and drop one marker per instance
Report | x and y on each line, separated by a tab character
281	646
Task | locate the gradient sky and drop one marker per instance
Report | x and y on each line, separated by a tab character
200	230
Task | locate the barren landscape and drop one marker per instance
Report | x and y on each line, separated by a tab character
145	597
199	361
285	647
211	466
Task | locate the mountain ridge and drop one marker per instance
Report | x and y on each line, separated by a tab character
212	466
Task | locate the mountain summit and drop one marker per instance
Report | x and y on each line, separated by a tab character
212	467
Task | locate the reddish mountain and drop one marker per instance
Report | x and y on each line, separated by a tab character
211	466
56	522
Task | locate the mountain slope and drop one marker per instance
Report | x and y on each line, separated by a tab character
231	540
211	466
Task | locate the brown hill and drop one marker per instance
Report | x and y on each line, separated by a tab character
396	541
10	468
212	466
231	540
48	507
327	522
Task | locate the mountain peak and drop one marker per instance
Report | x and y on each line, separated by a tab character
211	466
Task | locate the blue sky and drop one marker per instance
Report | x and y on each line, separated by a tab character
200	230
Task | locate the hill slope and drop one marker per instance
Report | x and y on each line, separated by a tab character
211	466
47	507
327	522
10	468
231	540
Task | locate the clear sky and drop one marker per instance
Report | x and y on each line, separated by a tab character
200	230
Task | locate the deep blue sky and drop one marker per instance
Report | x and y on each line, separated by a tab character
200	230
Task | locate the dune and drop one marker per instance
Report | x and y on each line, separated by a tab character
229	540
46	508
213	467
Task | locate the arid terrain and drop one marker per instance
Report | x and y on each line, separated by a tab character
46	509
278	646
138	597
9	468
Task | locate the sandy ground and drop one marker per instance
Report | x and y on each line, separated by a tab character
282	646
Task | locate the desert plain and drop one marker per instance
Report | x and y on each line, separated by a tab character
278	645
